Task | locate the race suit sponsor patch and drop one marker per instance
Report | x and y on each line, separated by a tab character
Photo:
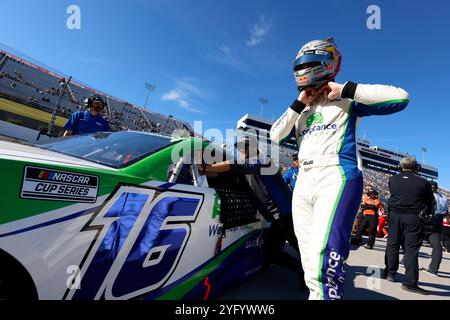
48	184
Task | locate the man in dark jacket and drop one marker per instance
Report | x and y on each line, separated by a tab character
272	197
411	196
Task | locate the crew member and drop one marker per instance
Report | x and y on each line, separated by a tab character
290	176
370	207
327	196
88	121
411	197
273	200
433	230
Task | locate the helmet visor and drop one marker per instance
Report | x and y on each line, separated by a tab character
312	58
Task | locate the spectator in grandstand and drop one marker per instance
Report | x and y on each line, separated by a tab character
32	99
273	200
446	233
87	121
433	230
411	196
290	176
370	206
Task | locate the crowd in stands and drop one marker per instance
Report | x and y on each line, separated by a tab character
35	87
39	96
378	180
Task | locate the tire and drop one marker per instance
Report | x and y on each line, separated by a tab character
15	282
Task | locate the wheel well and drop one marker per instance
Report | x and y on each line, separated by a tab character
18	281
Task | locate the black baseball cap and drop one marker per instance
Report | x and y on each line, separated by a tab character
294	156
94	98
434	184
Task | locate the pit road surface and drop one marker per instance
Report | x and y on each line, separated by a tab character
363	280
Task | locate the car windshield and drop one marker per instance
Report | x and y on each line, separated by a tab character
114	149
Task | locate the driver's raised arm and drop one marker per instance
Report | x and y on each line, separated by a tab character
375	99
284	127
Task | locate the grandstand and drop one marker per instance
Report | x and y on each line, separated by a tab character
29	94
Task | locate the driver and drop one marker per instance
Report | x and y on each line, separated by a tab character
327	195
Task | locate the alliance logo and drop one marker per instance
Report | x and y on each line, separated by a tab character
317	118
334	275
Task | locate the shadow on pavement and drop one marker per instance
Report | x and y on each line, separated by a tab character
400	277
275	283
352	292
375	248
427	286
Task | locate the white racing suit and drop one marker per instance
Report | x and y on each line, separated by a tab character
329	187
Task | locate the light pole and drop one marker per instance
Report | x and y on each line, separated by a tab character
149	87
423	154
62	91
263	101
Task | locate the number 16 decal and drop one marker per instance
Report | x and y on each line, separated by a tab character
142	236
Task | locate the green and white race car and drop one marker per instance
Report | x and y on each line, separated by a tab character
104	216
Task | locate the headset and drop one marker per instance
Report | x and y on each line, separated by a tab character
89	101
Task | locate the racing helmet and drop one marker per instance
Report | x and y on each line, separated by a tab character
317	63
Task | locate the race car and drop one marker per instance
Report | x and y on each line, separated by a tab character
112	215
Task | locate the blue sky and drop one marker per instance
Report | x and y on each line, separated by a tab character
213	60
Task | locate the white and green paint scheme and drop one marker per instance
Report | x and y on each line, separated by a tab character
106	224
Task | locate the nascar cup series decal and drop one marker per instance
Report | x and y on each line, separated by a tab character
48	184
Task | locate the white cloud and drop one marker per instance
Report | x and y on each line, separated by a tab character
223	48
227	57
258	31
171	95
185	94
183	103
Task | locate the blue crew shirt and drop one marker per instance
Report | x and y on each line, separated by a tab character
290	177
84	122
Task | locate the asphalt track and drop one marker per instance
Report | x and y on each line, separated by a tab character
363	280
